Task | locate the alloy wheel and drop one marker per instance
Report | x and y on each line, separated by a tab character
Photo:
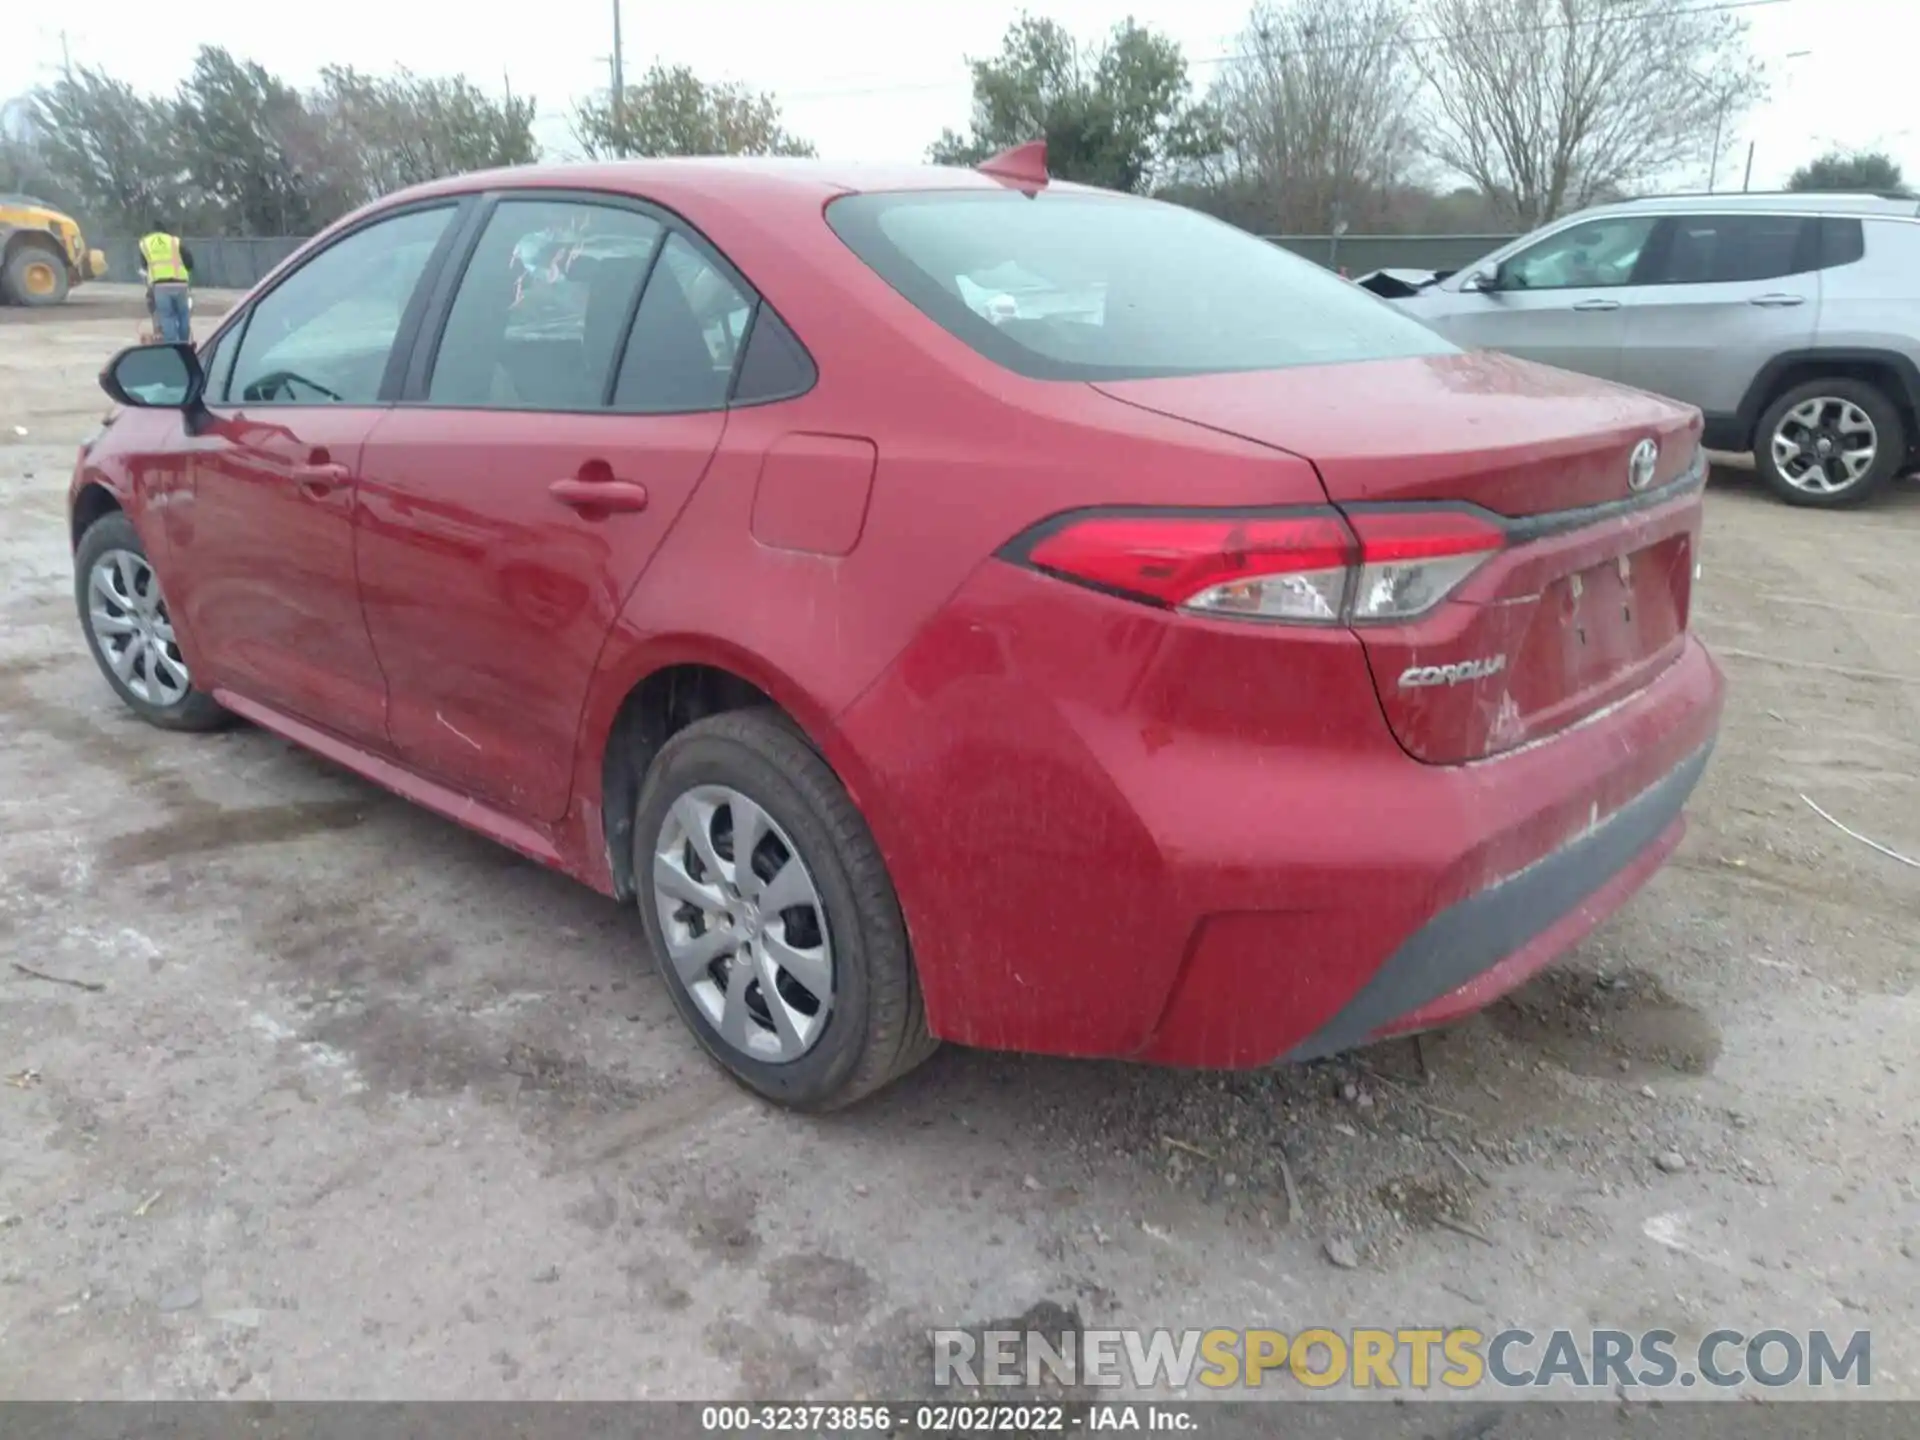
131	626
1825	445
744	926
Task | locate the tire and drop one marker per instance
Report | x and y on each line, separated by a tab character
1782	443
107	568
872	1027
35	276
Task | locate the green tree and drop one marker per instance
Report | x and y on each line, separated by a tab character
111	148
23	163
672	111
383	133
243	132
1869	170
1118	114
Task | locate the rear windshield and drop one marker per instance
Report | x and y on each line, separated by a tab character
1072	286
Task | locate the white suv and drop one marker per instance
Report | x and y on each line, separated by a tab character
1791	321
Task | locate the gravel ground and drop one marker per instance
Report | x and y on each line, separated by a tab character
364	1106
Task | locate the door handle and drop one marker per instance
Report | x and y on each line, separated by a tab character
1598	305
1773	302
318	480
604	495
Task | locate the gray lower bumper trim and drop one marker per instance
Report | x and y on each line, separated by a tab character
1483	929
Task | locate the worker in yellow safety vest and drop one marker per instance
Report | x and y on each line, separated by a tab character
167	264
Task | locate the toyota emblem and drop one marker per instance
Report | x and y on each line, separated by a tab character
1640	468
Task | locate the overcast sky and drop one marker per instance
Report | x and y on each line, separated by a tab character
877	79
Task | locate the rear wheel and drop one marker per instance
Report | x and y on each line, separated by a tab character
130	630
36	275
1830	443
771	915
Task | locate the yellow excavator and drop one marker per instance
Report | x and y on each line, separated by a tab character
42	253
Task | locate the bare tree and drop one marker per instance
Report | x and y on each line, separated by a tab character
1316	106
1553	104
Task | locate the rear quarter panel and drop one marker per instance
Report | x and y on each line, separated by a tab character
968	456
1874	303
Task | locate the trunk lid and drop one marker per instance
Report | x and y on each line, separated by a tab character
1590	597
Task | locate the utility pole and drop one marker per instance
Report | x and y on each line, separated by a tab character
66	56
1713	167
619	86
1747	184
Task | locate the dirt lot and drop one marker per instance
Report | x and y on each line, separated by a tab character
365	1106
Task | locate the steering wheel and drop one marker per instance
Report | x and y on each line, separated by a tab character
276	382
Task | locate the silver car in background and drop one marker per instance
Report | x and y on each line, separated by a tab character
1791	321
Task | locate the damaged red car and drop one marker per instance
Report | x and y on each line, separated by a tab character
951	605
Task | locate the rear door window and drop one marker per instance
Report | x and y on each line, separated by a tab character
1075	286
776	366
1841	242
686	337
537	321
323	336
1724	249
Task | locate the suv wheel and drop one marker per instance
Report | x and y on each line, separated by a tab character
1829	443
771	915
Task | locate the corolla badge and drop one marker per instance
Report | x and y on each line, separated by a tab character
1641	465
1418	677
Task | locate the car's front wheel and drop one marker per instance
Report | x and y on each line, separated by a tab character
130	630
771	915
1830	443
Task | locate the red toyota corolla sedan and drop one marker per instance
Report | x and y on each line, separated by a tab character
952	605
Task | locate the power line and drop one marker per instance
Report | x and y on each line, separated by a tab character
1723	6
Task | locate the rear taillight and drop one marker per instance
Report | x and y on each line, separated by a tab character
1411	560
1314	567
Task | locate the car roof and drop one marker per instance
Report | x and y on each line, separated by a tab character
729	178
1789	202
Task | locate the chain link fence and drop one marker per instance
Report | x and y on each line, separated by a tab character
1357	254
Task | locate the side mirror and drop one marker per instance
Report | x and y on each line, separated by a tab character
155	377
1484	282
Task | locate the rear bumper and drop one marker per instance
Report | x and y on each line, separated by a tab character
1476	950
1529	852
1197	844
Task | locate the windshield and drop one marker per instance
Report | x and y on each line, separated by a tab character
1073	286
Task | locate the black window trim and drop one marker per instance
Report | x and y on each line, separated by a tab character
237	323
810	377
1858	247
411	391
619	357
